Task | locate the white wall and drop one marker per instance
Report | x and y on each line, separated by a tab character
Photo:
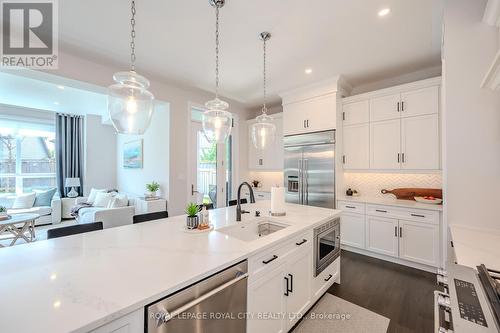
156	157
471	118
179	98
100	154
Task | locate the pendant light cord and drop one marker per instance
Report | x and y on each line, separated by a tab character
264	108
132	36
216	51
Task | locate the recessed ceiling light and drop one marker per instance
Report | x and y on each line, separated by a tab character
384	12
308	71
60	87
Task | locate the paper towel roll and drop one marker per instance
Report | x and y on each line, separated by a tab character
277	200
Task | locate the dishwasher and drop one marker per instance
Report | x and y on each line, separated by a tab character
215	304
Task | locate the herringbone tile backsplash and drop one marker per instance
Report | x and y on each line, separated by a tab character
370	184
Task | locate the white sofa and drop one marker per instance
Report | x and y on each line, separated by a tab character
110	217
48	214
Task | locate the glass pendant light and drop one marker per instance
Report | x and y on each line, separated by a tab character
130	104
217	121
263	130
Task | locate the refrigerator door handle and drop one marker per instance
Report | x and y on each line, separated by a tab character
300	180
305	174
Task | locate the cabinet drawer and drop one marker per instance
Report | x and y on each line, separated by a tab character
352	207
262	195
419	215
383	211
428	216
325	279
262	262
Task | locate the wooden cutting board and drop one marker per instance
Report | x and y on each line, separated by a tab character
411	193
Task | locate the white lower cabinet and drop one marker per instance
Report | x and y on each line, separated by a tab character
325	279
381	235
299	298
281	293
419	242
352	230
265	299
410	234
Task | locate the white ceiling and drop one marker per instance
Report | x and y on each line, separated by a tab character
175	40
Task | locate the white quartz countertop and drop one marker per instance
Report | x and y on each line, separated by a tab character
475	246
80	282
391	201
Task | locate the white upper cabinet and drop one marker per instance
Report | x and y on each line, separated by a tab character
385	145
420	143
420	102
271	158
356	113
385	107
403	128
356	146
313	108
312	115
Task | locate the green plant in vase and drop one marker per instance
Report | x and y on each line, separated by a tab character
192	219
152	188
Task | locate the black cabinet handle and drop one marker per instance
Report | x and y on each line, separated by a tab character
329	277
403	157
269	260
301	242
400	232
380	211
417	215
291	283
451	243
305	123
352	207
398	106
287	290
395	231
398	157
402	106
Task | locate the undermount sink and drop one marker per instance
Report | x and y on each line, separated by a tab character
250	231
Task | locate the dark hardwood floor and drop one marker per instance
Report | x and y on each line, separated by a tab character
400	293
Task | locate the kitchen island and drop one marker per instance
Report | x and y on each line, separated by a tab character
85	282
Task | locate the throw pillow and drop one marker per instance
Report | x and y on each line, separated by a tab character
24	201
102	199
120	200
44	198
93	194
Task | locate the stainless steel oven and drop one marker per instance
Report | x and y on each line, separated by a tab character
216	304
326	244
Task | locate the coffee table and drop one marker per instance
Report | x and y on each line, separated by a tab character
19	226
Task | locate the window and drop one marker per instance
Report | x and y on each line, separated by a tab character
27	156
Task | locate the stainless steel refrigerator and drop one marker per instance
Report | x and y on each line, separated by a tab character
310	169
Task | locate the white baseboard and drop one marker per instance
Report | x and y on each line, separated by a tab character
399	261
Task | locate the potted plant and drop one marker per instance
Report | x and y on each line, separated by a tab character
152	188
192	219
3	212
